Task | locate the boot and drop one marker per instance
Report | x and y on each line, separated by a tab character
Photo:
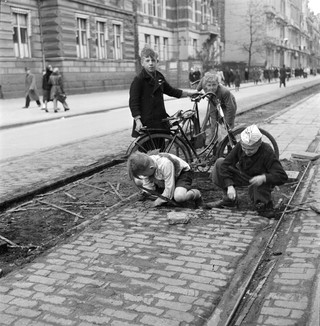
265	209
225	202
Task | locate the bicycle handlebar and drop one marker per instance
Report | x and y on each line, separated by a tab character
197	97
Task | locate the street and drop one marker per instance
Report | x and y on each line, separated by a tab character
132	268
27	139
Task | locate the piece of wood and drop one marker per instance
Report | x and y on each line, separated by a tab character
115	191
9	241
292	175
95	187
305	155
60	208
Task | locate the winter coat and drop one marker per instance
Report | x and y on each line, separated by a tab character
264	161
55	81
146	99
31	87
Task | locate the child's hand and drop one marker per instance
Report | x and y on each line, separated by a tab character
158	202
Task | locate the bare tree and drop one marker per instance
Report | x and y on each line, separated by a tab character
256	26
209	53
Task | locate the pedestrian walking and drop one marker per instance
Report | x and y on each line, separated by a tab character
246	75
237	80
166	173
57	90
250	163
283	76
146	94
46	87
194	77
31	91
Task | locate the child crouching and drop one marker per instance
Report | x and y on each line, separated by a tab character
166	171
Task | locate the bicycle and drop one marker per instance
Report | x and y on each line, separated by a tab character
185	138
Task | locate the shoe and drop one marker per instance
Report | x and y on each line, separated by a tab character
66	109
223	203
55	111
265	210
25	107
47	110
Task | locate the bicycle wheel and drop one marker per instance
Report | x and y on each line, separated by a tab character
158	142
226	145
191	129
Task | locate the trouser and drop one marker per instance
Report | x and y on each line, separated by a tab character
28	101
55	104
256	193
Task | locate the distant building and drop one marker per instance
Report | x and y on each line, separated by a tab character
278	31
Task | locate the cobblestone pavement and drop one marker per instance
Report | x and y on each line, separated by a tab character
131	267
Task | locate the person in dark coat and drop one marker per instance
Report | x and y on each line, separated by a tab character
46	87
250	163
57	90
283	76
237	80
146	94
31	91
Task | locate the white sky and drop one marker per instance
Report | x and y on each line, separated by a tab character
314	5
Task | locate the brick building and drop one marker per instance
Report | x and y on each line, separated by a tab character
96	44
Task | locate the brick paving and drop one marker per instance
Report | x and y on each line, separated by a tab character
131	267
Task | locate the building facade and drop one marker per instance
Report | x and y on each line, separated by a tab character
278	31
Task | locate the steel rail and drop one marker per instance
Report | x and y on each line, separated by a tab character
267	246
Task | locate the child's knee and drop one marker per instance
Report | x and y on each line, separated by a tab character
180	195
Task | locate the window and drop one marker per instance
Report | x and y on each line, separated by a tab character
82	38
101	39
204	11
154	8
194	47
21	32
165	48
163	6
157	44
117	41
147	39
194	11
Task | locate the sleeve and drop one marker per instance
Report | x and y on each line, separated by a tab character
276	175
135	97
147	183
200	85
171	91
230	108
169	179
33	83
231	160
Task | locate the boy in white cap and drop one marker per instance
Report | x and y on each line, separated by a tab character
251	163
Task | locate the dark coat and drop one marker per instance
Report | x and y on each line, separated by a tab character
264	161
146	99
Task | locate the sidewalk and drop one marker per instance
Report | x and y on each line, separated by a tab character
12	114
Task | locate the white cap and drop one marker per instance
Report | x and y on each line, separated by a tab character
251	135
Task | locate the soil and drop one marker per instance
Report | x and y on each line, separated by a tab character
37	225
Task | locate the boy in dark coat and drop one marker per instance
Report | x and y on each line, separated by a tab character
250	163
146	94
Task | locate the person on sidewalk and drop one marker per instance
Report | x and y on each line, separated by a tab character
146	94
57	90
163	171
46	87
250	163
283	76
31	91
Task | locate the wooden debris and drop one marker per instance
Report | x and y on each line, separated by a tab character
9	241
115	191
95	187
70	196
60	208
315	207
305	156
